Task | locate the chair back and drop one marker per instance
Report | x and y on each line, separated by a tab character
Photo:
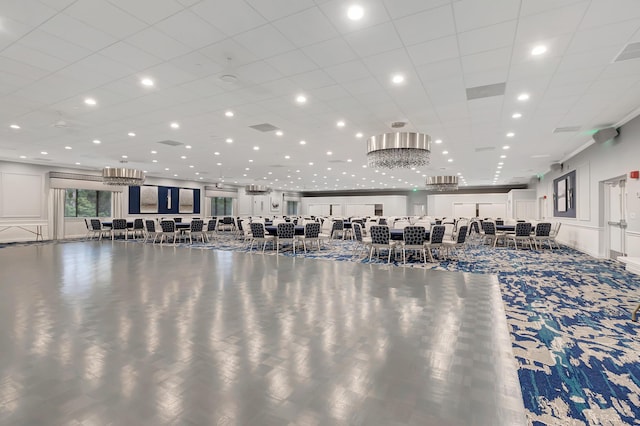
357	231
437	234
499	222
543	229
523	229
462	234
177	220
382	221
380	234
312	230
489	227
151	225
87	224
196	225
474	227
168	226
286	230
211	225
239	222
96	225
257	229
413	235
227	220
338	225
119	224
138	224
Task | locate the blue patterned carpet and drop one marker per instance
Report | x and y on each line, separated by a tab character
569	316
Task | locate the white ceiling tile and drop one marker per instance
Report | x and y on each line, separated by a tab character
307	27
387	64
485	78
373	40
96	69
197	64
57	4
336	10
229	53
348	71
329	93
33	57
22	11
364	85
150	11
534	28
488	38
12	30
43	42
533	68
276	9
21	69
293	62
264	41
105	17
603	13
158	44
330	52
440	70
494	59
471	14
258	72
398	9
238	16
11	82
434	51
130	55
428	25
606	35
311	80
594	58
77	32
189	29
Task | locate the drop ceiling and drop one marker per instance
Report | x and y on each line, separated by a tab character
54	54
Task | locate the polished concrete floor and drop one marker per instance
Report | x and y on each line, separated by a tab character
98	333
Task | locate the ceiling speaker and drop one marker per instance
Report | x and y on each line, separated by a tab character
556	167
603	135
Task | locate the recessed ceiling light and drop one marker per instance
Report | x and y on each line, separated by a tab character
14	126
279	133
131	134
510	134
147	82
229	114
499	167
397	78
500	163
340	123
251	161
505	147
450	160
191	166
301	99
154	152
445	152
90	101
349	160
96	141
256	148
359	135
188	146
154	161
523	96
216	153
44	152
124	156
311	163
184	157
166	168
503	156
538	50
200	177
303	142
286	157
438	141
329	153
174	125
459	174
516	115
175	175
144	171
229	140
219	164
77	164
67	147
355	12
23	156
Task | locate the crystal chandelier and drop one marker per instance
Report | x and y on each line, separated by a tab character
442	183
257	189
122	176
398	150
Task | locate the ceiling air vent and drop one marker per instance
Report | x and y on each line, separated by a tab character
171	143
485	148
398	124
567	129
487	91
264	127
630	51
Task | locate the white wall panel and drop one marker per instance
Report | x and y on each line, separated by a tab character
14	202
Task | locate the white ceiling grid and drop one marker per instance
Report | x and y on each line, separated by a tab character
56	53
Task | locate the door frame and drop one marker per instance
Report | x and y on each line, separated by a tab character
619	180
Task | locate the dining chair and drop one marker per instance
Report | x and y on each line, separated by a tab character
542	234
258	235
362	242
195	230
138	228
119	226
211	228
554	233
489	228
436	239
522	235
286	234
413	239
311	235
96	228
381	239
168	228
458	243
337	229
150	230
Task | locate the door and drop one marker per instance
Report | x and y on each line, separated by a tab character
419	209
464	210
525	209
335	210
615	214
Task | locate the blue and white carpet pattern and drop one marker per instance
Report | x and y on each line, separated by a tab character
577	350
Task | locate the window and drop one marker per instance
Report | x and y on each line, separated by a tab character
292	208
86	203
221	206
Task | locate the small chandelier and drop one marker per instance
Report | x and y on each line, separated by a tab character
257	189
398	150
122	176
442	183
